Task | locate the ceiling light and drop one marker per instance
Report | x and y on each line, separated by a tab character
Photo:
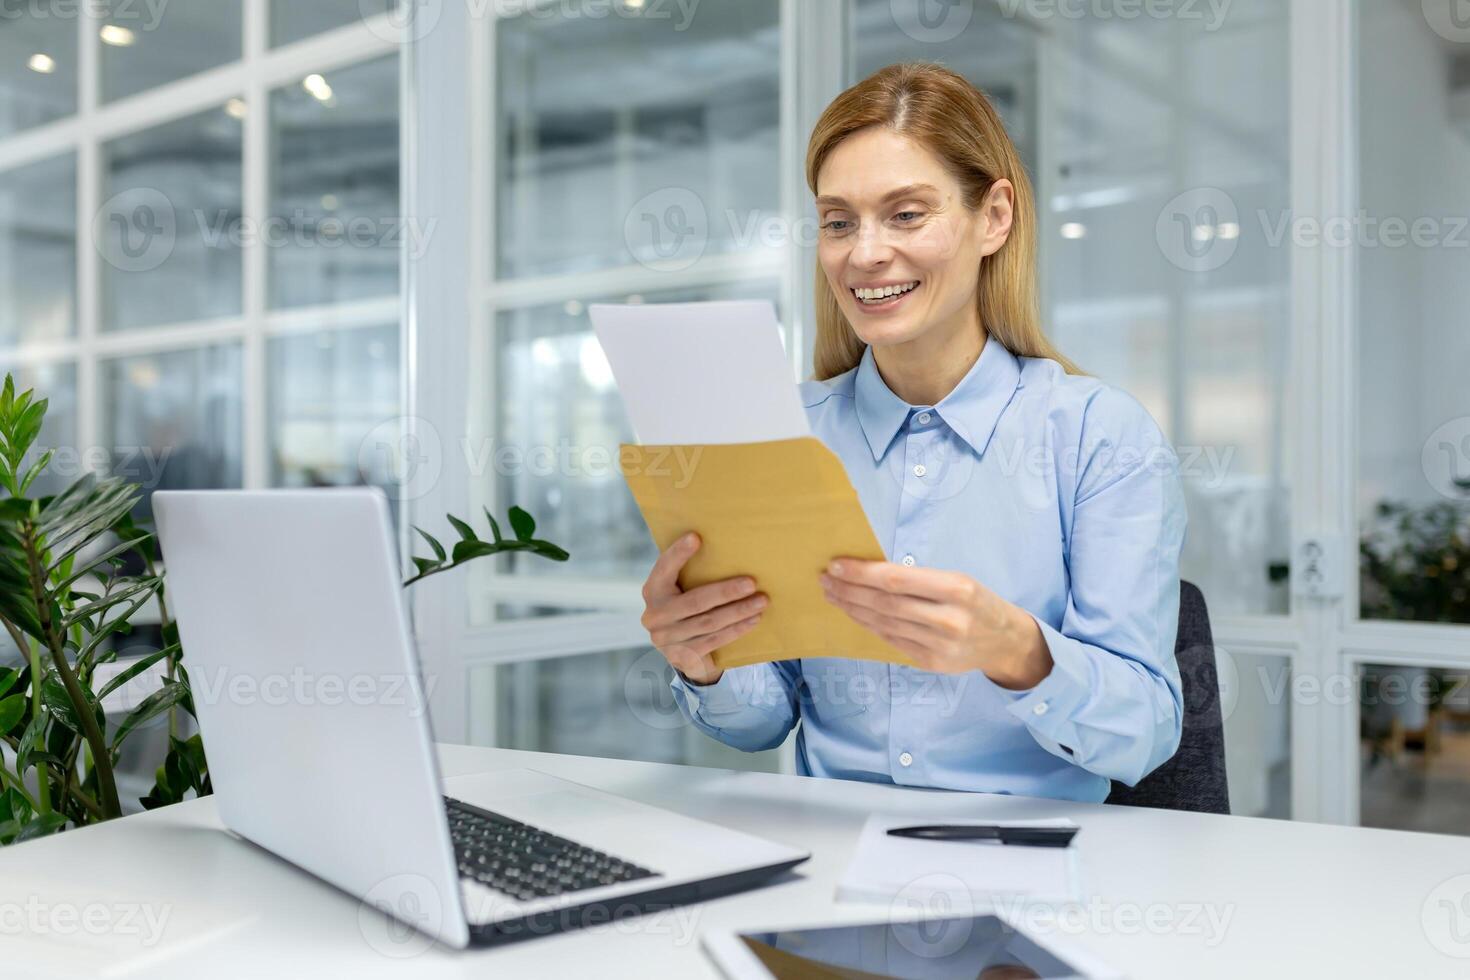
118	37
318	87
41	64
235	108
1074	230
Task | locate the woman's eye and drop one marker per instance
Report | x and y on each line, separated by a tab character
907	216
837	225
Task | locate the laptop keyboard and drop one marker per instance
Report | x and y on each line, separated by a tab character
526	862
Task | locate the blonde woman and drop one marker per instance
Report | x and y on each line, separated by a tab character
1033	516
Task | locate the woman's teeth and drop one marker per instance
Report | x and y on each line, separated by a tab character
883	293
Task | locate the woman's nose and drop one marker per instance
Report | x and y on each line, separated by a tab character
871	249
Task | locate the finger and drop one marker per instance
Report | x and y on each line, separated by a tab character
712	642
663	578
939	616
712	621
891	629
704	598
928	583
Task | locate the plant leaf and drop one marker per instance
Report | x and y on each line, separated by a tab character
466	533
12	710
427	565
465	550
84	613
433	543
27	746
523	524
494	526
41	825
134	669
152	706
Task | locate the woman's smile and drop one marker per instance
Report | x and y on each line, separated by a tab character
884	297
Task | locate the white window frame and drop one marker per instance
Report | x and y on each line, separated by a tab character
1322	639
260	70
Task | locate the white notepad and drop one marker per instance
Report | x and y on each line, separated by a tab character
958	877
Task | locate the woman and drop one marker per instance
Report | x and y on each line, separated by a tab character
1034	515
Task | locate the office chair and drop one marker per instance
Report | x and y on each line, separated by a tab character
1194	779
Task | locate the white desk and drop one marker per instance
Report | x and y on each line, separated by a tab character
1301	899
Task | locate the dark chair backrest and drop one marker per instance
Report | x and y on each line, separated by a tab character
1194	779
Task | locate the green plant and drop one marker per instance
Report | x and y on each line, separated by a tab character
1415	563
66	594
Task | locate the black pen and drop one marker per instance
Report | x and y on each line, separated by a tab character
1027	836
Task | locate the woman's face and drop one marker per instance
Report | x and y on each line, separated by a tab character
900	250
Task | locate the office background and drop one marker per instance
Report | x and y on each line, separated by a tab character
252	243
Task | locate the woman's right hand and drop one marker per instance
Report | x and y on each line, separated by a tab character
687	627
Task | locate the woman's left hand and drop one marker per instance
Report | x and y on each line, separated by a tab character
945	621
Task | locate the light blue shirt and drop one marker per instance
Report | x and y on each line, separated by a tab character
1057	492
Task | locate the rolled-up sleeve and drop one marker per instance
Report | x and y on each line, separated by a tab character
1112	703
748	708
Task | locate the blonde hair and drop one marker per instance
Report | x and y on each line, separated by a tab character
943	112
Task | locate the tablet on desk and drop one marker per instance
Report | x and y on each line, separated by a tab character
968	947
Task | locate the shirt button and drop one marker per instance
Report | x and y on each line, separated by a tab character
905	760
1040	709
920	469
908	560
924	418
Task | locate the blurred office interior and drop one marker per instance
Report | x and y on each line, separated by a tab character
213	265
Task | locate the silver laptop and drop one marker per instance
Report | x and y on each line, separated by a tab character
309	697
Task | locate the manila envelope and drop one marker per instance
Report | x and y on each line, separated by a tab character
776	511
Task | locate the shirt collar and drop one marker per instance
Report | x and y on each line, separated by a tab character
972	409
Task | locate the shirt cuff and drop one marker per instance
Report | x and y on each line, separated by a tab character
703	700
1049	708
